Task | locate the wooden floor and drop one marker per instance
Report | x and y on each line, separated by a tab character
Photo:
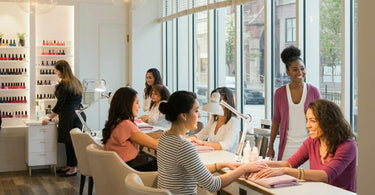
41	182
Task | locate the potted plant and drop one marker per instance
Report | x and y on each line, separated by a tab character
21	37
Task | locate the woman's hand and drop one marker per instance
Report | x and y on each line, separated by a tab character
191	138
233	166
45	121
253	166
144	118
271	152
269	172
194	140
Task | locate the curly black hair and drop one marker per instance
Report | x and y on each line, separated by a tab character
290	54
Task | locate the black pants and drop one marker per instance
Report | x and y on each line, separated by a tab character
143	162
69	121
71	159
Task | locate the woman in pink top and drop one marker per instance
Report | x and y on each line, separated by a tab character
330	148
122	135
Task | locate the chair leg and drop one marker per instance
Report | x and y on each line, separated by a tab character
91	184
82	185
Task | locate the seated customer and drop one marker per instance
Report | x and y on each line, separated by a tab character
330	148
154	117
179	166
222	131
121	135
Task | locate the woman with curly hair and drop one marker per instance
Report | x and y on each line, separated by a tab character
290	105
330	148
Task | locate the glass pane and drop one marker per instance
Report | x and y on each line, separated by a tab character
201	56
355	66
226	47
330	50
253	60
284	11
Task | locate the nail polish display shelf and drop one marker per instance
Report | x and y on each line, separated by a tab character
13	47
53	46
13	104
9	90
14	75
56	56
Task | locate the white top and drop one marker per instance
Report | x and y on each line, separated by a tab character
180	168
297	132
146	103
155	117
228	134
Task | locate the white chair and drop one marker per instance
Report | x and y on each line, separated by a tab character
109	171
80	142
134	185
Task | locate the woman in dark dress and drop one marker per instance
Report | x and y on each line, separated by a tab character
69	96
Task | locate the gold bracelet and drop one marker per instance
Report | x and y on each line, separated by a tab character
215	167
302	174
299	173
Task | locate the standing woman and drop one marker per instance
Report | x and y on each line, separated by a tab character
290	105
122	135
69	96
153	77
223	131
179	165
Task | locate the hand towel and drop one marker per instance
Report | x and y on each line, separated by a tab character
275	182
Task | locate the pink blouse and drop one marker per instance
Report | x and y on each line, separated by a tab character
340	167
120	141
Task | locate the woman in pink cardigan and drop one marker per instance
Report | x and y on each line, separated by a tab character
290	102
330	148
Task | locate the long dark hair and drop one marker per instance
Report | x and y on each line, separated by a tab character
290	54
332	123
227	95
155	72
162	91
69	81
179	102
121	108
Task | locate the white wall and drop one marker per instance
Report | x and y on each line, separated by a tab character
146	48
366	105
101	30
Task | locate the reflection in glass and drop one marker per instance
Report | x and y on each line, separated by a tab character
285	11
355	66
201	47
253	59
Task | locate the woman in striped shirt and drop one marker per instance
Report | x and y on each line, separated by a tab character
179	166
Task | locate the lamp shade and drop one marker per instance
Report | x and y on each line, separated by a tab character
213	106
100	87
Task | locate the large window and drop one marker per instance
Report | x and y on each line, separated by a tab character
354	113
290	30
282	11
225	50
238	44
330	50
201	57
253	59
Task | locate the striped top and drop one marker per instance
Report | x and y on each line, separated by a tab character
180	169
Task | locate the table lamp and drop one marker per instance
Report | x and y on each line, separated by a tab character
214	107
100	87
